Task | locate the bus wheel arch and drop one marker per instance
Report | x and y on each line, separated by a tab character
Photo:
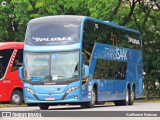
93	101
132	95
126	99
134	89
95	87
16	96
128	91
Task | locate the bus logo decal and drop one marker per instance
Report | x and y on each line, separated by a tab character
133	41
118	53
38	39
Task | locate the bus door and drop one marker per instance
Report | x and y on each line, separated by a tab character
99	67
5	56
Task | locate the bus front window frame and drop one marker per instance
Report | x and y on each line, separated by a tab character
56	33
49	78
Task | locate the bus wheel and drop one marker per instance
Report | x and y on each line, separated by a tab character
43	106
131	97
92	102
16	97
126	101
123	102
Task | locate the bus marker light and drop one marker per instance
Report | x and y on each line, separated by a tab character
26	98
76	97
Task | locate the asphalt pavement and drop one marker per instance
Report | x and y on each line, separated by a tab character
132	112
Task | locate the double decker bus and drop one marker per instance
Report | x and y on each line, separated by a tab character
11	58
80	60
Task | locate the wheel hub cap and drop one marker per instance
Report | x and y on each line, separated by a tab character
16	98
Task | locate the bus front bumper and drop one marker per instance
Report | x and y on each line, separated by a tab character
74	97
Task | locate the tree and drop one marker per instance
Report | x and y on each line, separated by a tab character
13	20
16	14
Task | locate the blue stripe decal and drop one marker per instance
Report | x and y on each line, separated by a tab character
51	48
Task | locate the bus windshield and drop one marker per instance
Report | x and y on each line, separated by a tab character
52	66
53	33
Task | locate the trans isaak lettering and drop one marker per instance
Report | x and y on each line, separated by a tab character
116	53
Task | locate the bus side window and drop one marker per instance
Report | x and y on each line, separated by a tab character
18	61
5	56
84	59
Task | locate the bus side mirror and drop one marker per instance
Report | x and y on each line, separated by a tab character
20	73
86	70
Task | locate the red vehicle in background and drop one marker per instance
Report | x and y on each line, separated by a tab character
11	57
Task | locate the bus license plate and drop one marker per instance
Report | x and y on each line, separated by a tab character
50	98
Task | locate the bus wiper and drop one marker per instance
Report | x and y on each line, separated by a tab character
48	77
61	76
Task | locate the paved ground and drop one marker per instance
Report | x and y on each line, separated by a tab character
110	107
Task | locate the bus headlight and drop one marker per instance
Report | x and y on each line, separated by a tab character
71	89
30	91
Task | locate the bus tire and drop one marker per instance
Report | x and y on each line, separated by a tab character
123	102
131	97
92	102
126	101
16	97
43	106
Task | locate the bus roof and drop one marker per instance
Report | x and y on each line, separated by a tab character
56	18
76	17
11	45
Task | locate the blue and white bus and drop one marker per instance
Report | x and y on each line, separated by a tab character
80	60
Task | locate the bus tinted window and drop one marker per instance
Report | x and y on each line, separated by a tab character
53	33
103	33
18	60
108	69
89	38
5	56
